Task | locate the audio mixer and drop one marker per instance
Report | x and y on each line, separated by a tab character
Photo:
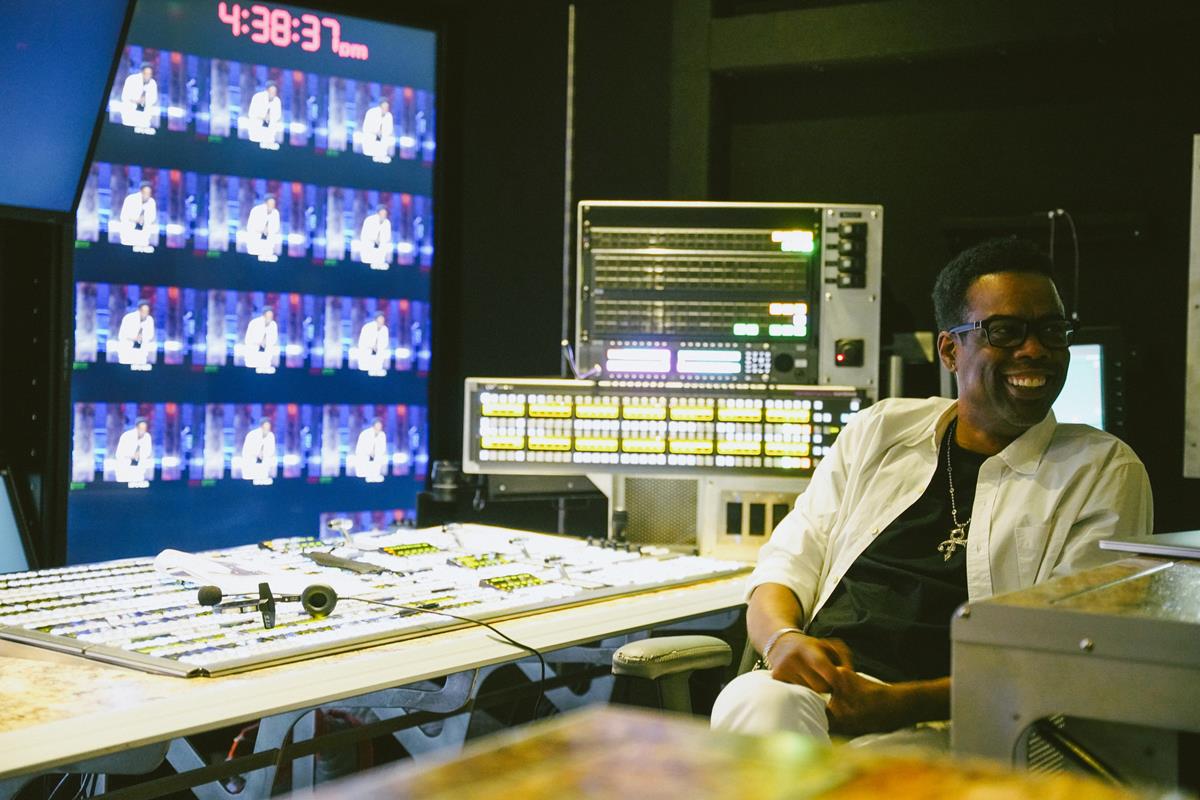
129	612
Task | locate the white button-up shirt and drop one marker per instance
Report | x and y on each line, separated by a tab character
1041	504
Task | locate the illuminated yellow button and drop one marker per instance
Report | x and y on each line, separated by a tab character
644	412
549	442
502	442
643	445
692	413
554	410
596	445
787	448
596	411
690	447
739	414
789	415
739	448
503	410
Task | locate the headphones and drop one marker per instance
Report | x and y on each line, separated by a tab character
318	600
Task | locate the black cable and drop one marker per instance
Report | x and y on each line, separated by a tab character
418	610
1075	287
1054	215
279	759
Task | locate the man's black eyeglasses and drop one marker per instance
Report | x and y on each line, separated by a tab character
1010	332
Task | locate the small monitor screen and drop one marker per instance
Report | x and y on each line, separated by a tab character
1082	398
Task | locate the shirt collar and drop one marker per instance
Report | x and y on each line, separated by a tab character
1023	454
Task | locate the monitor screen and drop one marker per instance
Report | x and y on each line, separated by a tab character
1082	396
51	102
254	246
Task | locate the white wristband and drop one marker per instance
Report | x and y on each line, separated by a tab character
771	640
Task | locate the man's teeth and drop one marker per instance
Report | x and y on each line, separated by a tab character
1027	381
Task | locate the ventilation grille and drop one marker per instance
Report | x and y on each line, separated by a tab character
661	512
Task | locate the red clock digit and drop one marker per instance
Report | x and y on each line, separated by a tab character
231	18
281	27
311	33
261	24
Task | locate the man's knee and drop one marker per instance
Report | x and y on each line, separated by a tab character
757	703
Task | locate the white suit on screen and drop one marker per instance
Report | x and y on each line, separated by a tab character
135	458
139	102
262	344
138	221
375	241
265	116
263	236
135	339
370	454
373	348
258	456
378	137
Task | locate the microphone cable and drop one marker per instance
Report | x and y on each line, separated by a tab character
541	696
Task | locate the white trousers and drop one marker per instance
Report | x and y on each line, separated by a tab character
756	703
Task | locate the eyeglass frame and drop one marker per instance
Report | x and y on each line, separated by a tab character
1030	326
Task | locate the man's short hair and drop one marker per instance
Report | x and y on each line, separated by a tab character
143	302
272	85
146	65
1007	254
144	185
270	196
140	421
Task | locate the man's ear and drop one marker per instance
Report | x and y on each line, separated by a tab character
947	346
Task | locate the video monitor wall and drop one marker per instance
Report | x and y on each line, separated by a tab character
254	246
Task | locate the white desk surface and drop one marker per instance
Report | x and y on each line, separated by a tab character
57	709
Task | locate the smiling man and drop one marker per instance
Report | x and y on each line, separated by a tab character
922	505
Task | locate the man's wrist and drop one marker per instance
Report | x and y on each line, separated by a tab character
772	640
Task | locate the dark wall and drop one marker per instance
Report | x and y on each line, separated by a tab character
34	440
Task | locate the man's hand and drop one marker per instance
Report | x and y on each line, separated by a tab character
808	661
858	705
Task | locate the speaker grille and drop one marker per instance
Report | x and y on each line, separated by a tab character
661	511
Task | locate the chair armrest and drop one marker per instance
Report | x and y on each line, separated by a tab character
670	655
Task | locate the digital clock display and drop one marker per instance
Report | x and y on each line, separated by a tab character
252	281
277	26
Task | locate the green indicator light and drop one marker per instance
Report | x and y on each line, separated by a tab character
77	485
213	139
326	479
332	153
209	482
82	245
212	254
331	262
79	365
328	371
210	368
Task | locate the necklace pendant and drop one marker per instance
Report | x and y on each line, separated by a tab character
958	538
